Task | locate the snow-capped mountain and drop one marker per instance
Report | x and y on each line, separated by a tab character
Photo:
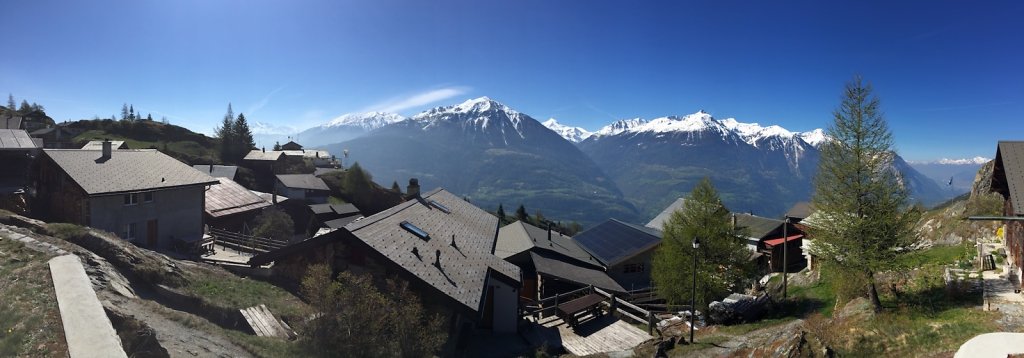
346	127
620	126
492	154
572	134
955	175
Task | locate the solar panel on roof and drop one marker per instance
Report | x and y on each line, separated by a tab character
408	226
611	241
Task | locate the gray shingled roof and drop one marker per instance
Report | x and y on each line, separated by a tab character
551	266
613	241
218	171
800	210
126	170
229	197
10	122
15	139
464	268
302	181
519	236
756	227
261	155
98	145
1010	158
659	221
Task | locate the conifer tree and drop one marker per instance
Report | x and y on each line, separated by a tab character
149	117
277	145
25	107
521	214
226	133
863	220
395	187
502	218
124	112
703	216
10	101
131	113
243	136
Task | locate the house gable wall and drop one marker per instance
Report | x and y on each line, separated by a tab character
178	211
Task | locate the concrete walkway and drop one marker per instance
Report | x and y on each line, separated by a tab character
992	345
86	326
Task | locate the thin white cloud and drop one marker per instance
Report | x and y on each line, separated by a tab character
263	102
399	104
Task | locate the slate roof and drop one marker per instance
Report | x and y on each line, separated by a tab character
16	139
45	131
229	197
322	171
659	221
613	241
519	236
342	221
291	145
218	171
756	226
339	209
1010	169
126	170
10	123
464	268
800	210
98	145
269	197
260	155
550	266
302	181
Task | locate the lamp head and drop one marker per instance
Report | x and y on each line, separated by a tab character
696	242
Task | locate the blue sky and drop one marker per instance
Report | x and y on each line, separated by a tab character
950	74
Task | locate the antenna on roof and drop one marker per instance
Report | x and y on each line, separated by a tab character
453	242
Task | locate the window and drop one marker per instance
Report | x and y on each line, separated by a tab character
88	212
633	268
131	199
408	226
440	206
147	197
129	232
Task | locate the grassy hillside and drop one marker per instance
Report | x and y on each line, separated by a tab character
178	142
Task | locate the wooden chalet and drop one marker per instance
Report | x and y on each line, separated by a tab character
624	249
230	206
302	187
291	145
552	263
1008	181
17	153
56	137
141	194
265	165
438	242
765	240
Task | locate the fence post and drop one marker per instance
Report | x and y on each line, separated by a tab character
615	305
650	323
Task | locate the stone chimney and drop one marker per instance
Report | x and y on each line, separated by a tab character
413	190
437	258
106	149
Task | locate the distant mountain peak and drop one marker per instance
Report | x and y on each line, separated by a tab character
369	120
947	161
572	134
815	137
620	126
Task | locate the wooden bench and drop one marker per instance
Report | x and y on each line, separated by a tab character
589	303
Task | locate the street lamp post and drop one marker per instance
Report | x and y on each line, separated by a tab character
693	296
785	259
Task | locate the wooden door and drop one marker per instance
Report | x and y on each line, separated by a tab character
151	233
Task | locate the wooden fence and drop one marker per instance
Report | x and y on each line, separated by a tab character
615	305
242	242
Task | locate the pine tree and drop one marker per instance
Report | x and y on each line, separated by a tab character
226	133
704	217
243	136
10	101
277	146
395	187
521	214
124	112
501	215
163	119
149	117
131	113
25	107
863	220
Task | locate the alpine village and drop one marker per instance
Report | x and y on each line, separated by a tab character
133	237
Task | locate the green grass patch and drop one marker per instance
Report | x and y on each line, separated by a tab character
941	255
30	322
227	290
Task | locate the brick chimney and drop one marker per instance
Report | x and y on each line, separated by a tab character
413	190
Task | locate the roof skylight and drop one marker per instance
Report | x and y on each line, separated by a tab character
408	226
440	206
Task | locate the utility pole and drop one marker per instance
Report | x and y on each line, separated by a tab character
785	261
693	296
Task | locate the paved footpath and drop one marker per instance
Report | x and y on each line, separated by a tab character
86	326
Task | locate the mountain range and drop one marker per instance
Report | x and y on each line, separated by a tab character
955	175
630	169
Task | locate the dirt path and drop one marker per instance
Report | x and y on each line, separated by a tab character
179	339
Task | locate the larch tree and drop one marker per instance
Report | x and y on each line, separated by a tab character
862	221
723	263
